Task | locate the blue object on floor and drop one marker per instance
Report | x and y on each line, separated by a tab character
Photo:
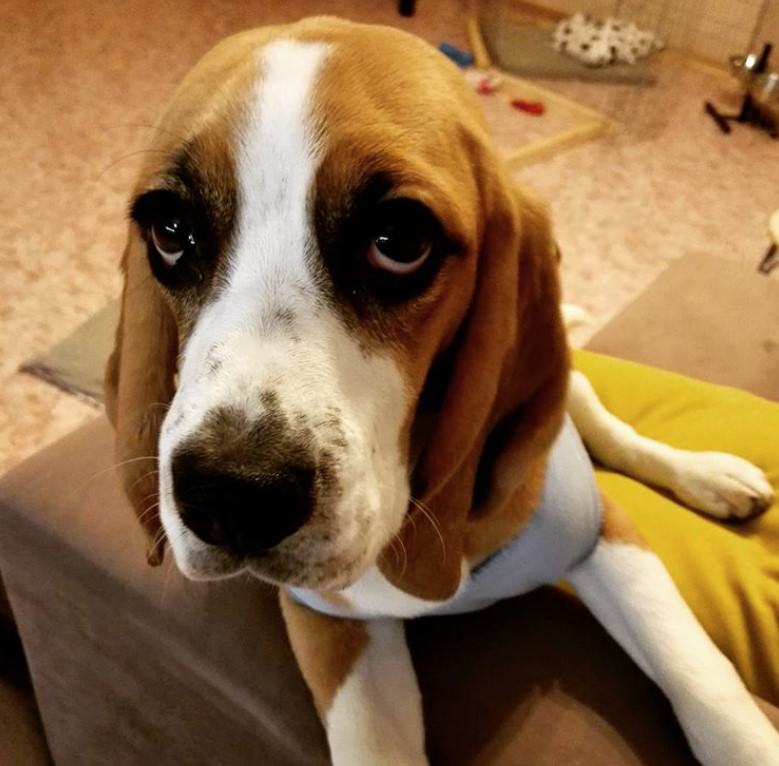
460	57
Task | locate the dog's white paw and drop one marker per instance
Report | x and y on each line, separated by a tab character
574	316
721	485
740	736
763	751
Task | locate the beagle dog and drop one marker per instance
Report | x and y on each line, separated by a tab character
341	343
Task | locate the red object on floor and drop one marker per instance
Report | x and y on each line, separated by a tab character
536	108
485	87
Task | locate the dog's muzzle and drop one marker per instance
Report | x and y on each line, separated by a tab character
245	486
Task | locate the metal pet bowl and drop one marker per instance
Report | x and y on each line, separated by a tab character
765	90
743	67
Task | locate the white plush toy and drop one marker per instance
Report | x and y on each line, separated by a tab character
598	43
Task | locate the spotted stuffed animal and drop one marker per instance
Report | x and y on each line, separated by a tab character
599	43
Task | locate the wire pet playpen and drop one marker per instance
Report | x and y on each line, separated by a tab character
517	37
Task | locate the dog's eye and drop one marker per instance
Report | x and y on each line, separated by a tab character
403	236
171	238
173	243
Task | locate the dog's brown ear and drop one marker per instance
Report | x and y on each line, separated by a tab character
139	384
503	400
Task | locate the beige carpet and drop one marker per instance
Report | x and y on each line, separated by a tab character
83	82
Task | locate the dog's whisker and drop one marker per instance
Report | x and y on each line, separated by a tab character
165	580
398	539
413	522
150	496
148	511
128	156
158	538
153	472
394	551
425	511
165	405
113	467
123	463
145	126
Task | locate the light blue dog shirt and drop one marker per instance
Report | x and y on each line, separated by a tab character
563	531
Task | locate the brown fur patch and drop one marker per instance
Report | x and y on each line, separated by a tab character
326	648
374	128
138	384
617	526
503	401
488	532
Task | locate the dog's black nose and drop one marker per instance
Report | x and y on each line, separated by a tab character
245	511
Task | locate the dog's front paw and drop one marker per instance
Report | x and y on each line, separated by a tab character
721	485
738	741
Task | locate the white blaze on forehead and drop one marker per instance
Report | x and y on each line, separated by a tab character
277	157
266	329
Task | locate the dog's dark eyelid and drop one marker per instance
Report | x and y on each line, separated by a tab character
378	189
152	204
448	243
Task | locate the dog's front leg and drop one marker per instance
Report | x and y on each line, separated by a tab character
716	483
629	590
364	686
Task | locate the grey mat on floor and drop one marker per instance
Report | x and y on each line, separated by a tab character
526	50
76	363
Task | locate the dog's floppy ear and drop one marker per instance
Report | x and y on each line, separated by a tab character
138	385
503	396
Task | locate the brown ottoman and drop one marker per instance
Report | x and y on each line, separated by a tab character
704	317
133	665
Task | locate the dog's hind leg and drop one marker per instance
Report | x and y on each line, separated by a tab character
364	686
630	592
715	483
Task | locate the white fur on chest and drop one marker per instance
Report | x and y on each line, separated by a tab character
374	596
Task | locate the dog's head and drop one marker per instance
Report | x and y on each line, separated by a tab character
349	311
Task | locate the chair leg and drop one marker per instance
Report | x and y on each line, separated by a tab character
770	260
407	7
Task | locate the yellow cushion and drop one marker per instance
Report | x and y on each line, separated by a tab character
728	572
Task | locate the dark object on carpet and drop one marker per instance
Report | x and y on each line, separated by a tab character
76	363
407	7
758	107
